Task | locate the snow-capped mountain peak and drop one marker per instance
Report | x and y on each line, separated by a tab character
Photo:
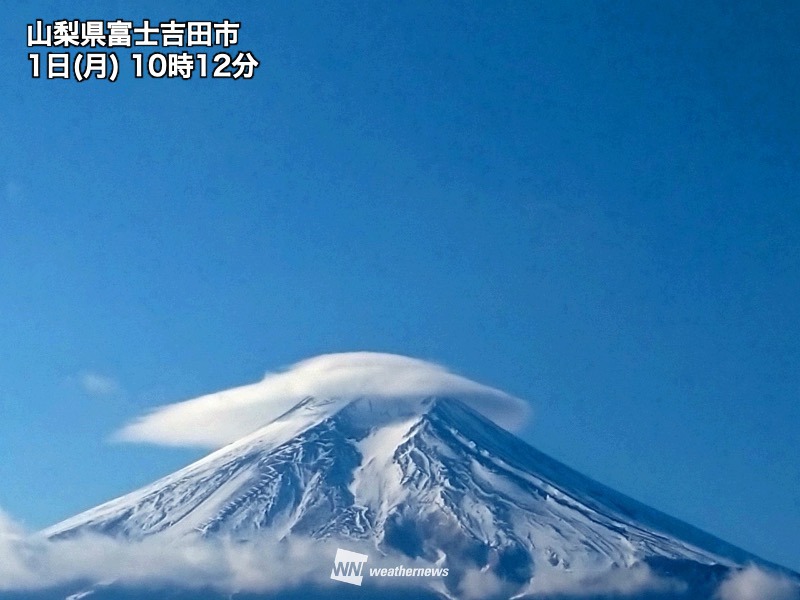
426	477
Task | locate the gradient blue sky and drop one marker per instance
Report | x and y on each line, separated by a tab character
590	205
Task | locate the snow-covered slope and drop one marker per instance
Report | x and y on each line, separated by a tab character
425	477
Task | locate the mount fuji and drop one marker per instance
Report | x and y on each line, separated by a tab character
428	479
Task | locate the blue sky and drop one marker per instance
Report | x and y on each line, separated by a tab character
593	206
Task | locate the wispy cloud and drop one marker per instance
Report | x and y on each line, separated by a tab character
220	418
97	384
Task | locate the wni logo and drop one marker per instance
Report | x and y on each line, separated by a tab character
348	566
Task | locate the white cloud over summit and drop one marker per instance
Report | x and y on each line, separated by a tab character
217	419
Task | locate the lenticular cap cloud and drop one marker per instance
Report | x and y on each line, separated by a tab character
217	419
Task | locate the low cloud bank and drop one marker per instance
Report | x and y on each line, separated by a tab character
753	583
217	419
31	562
617	582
